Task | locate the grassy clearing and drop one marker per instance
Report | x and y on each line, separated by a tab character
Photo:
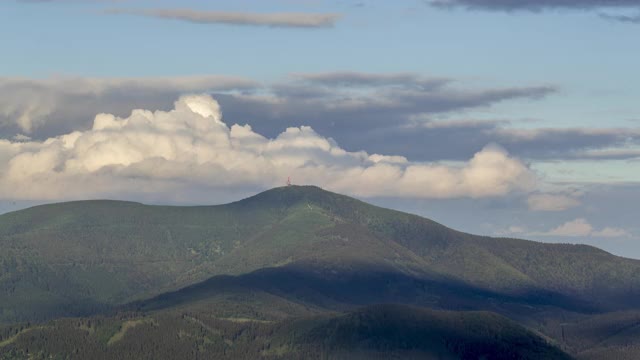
246	320
126	326
13	339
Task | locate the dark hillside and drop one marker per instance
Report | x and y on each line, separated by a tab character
378	332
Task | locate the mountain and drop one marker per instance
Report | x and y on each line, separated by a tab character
292	253
80	257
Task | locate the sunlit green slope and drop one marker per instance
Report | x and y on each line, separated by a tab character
79	257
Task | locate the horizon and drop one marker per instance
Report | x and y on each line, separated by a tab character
286	186
460	111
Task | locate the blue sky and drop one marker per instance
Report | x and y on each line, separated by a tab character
555	89
592	60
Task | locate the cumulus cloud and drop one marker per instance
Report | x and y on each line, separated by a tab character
582	228
28	104
551	202
299	20
190	147
43	108
406	114
577	227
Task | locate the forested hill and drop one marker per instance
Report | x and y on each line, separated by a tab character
78	258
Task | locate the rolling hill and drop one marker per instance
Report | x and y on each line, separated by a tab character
374	332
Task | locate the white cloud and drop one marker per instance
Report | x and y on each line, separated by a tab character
577	227
582	228
551	202
513	230
21	137
516	229
610	232
177	151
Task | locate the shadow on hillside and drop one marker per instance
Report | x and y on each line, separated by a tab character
345	290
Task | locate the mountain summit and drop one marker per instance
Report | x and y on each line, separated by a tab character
78	257
293	251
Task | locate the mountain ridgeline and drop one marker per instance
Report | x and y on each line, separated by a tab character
295	266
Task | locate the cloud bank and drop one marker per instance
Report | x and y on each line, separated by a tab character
189	147
292	20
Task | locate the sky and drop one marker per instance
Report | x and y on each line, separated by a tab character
511	118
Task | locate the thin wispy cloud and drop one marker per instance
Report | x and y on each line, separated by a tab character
69	1
284	19
357	79
535	5
633	19
551	202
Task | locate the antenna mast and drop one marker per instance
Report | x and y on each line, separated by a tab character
289	181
